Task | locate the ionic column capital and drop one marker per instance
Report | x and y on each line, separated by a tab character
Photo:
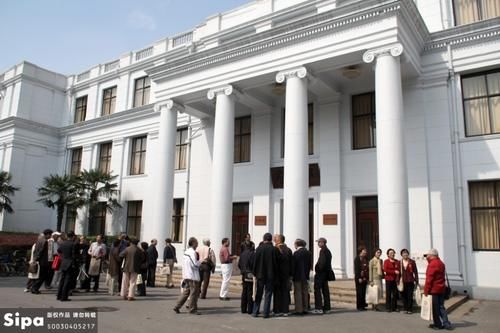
226	90
297	72
394	50
170	105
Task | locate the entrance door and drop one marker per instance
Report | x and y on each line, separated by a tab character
240	226
367	224
310	241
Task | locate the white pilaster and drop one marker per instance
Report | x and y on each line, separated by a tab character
222	165
392	180
296	173
160	227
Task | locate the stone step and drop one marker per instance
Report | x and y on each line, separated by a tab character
341	291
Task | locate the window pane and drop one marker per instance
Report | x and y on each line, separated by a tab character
362	104
466	11
112	106
182	157
474	87
482	194
138	98
493	83
245	148
485	229
145	99
477	117
246	125
362	132
495	113
490	9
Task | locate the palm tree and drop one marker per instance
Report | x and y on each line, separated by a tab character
59	192
6	190
94	185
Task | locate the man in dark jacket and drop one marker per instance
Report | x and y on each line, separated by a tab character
67	252
322	270
169	258
435	285
265	270
283	286
245	265
152	260
301	263
41	255
361	276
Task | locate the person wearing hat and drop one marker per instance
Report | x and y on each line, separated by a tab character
322	269
435	285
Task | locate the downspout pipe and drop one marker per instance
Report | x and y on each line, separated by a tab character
457	168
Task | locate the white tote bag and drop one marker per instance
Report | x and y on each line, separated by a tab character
426	308
372	295
418	295
165	270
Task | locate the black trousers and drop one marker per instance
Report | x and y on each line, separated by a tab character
262	286
205	273
246	297
50	275
321	293
65	284
44	270
391	295
151	275
281	297
360	295
94	278
408	296
141	288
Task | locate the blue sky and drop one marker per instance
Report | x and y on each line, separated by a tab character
69	36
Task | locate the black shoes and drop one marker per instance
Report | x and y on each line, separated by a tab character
224	298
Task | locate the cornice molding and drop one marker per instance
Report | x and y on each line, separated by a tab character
314	26
464	35
297	72
226	90
394	50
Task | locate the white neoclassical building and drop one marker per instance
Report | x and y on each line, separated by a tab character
371	123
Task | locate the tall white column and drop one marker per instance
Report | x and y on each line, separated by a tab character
160	227
222	166
392	180
296	172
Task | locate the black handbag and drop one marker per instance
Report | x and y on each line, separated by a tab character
331	275
447	292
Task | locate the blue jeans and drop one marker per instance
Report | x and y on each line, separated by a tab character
262	286
439	314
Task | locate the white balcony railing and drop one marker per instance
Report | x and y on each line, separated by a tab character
182	39
147	52
83	76
111	66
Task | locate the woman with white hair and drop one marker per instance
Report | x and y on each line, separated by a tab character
207	266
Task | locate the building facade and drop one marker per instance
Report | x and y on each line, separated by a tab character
371	123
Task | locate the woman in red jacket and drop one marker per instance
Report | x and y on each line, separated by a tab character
435	285
409	274
392	275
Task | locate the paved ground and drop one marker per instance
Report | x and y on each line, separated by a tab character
154	314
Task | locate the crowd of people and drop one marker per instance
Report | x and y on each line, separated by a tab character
269	273
72	264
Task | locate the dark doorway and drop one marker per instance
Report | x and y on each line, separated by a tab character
240	226
367	224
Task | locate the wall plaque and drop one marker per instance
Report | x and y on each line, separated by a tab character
330	219
260	220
